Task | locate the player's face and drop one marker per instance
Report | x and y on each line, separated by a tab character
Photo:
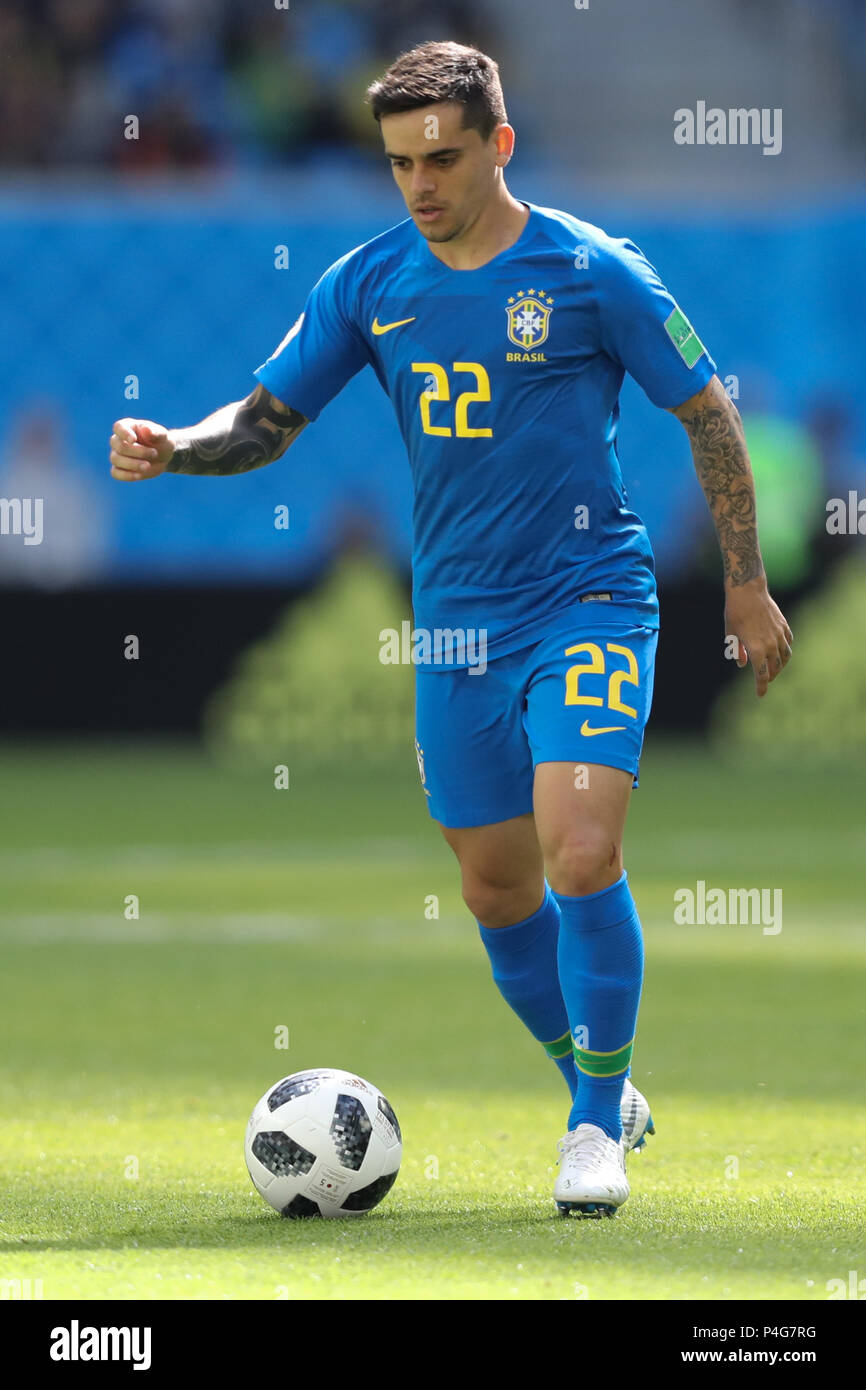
445	173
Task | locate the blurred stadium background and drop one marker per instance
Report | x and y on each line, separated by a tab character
140	276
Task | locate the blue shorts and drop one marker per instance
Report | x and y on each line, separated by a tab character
579	695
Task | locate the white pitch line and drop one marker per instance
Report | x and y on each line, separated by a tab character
158	928
161	927
390	851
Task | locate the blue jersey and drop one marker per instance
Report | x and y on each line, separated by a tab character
505	381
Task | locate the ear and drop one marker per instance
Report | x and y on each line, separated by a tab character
504	138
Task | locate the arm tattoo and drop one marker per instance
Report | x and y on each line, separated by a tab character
722	462
238	438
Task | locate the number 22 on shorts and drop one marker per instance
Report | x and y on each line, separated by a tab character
596	666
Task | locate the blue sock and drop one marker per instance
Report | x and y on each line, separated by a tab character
601	973
525	967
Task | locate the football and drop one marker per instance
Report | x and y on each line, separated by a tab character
323	1143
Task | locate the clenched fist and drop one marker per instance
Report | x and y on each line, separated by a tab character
139	449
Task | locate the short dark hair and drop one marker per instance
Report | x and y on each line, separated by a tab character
438	72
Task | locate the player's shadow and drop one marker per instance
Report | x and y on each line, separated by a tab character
267	1230
440	1234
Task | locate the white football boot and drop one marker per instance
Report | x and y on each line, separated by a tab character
637	1122
591	1179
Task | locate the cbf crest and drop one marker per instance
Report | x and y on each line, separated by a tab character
528	317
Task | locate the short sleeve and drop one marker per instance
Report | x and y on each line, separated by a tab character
321	351
643	328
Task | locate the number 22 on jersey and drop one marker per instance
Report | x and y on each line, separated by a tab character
440	390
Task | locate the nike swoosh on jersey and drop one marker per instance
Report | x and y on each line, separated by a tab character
386	327
609	729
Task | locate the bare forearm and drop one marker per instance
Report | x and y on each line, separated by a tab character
237	438
721	459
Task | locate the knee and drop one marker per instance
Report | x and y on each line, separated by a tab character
500	902
585	862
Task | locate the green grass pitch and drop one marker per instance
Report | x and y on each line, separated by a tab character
133	1050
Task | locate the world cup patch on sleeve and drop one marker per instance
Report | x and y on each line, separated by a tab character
683	337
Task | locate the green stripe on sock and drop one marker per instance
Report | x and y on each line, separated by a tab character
603	1063
559	1049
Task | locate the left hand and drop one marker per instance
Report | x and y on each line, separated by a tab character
762	634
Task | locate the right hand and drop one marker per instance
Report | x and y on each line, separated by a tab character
139	449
